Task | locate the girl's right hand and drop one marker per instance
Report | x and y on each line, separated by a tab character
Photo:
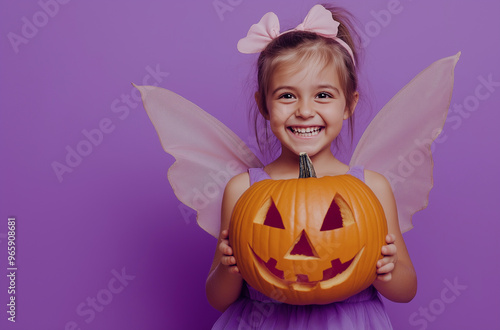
227	258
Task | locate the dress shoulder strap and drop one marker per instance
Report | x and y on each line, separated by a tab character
357	171
257	174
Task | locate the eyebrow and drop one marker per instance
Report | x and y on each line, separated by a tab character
320	86
282	87
330	87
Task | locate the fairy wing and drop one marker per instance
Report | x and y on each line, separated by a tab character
207	153
397	143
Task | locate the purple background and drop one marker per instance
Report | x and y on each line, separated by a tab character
116	210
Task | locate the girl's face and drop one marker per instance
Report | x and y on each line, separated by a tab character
306	107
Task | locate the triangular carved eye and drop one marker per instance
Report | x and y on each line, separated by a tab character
339	215
273	217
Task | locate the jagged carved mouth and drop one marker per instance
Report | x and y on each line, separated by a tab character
337	268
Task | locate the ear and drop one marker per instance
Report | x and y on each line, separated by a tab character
262	109
348	112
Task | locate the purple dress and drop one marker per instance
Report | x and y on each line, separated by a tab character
254	310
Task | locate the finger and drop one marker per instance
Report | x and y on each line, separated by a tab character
223	261
389	250
222	246
385	277
386	268
384	261
228	261
225	249
224	234
390	238
228	251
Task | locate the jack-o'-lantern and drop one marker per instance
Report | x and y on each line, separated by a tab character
308	240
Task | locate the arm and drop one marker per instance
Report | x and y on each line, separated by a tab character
397	280
224	282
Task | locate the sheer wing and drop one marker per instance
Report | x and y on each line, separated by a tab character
207	153
397	143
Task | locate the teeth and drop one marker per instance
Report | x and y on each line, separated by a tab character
309	131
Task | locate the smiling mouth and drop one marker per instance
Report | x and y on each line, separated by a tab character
306	131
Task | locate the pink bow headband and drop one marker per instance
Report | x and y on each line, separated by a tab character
319	20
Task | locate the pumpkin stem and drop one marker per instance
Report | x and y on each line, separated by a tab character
306	167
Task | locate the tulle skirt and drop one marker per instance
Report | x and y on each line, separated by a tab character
253	310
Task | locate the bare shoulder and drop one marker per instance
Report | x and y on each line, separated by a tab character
238	183
236	187
382	189
378	183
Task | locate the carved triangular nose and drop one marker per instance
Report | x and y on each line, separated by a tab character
301	248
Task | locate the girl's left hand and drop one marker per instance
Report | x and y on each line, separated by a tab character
386	265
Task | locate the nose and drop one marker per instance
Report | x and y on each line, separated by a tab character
305	110
302	248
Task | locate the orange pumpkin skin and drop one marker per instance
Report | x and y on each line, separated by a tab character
308	258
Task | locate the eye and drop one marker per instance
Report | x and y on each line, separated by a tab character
333	218
273	217
324	95
286	96
339	215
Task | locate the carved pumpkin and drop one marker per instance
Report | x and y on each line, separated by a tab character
308	240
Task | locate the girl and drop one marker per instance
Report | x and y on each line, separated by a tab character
307	87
